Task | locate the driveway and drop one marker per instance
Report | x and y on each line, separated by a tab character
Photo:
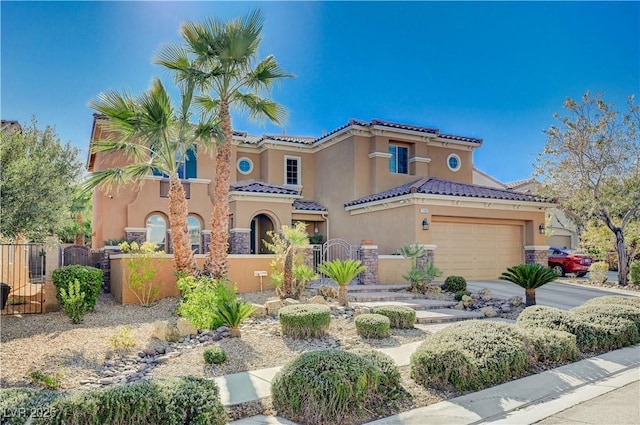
554	294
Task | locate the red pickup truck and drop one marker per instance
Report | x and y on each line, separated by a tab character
563	261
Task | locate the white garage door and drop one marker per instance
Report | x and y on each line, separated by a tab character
477	250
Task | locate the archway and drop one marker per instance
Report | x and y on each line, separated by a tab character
260	225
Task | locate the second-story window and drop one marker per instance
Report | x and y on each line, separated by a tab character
187	166
292	170
399	161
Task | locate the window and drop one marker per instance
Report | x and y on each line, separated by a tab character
292	170
193	226
187	166
453	162
245	165
399	161
157	230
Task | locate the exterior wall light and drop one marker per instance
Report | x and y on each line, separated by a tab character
425	224
541	229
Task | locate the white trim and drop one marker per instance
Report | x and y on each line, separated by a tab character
244	158
298	159
392	257
205	232
260	197
368	246
537	247
152	177
135	229
203	181
240	230
429	247
453	155
308	212
419	159
386	155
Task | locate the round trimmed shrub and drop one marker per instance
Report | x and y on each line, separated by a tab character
373	325
400	316
598	272
634	272
454	284
541	316
214	355
90	279
305	320
458	295
329	386
630	312
597	331
471	355
550	345
614	299
389	382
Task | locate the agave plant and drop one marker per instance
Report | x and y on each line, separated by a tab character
530	277
234	313
342	272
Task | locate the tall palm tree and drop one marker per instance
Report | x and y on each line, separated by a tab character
221	57
155	137
530	277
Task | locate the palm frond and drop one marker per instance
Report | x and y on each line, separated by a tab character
529	276
131	149
260	108
341	271
265	73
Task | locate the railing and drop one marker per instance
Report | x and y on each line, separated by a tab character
22	268
164	188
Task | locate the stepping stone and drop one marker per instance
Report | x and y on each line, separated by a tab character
365	288
418	304
448	315
379	296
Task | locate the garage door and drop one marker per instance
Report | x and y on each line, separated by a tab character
477	251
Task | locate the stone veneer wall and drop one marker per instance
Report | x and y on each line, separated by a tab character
240	241
206	240
138	235
536	254
369	258
430	255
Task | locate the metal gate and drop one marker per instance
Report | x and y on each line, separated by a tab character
78	254
335	249
22	273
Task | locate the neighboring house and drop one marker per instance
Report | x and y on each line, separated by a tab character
10	125
377	181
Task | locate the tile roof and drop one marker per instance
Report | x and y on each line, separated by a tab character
518	183
434	186
253	186
292	139
304	205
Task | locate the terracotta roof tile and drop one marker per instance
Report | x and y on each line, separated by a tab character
304	205
253	186
434	186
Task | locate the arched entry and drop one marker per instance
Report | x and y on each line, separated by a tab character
260	225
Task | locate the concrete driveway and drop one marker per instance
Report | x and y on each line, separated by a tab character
554	294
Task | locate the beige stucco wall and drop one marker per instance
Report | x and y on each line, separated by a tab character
391	268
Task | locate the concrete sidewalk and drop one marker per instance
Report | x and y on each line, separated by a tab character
523	401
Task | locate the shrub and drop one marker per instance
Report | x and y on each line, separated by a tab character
90	280
540	316
49	382
614	300
305	320
142	270
454	284
73	302
214	355
184	400
458	295
234	313
400	316
29	399
630	312
634	272
550	345
389	383
355	384
123	340
470	356
372	325
201	298
598	272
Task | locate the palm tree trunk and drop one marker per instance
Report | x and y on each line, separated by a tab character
530	297
287	278
217	264
343	295
178	211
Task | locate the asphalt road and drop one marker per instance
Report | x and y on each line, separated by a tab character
554	294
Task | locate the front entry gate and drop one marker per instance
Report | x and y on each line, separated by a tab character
335	249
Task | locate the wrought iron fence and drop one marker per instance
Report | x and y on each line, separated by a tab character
22	273
334	249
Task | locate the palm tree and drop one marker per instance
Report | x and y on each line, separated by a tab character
412	251
155	137
225	65
530	277
342	272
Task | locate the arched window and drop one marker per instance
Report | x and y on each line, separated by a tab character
194	227
157	230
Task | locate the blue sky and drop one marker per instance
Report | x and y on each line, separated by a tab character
494	70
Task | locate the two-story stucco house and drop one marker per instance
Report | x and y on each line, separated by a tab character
367	180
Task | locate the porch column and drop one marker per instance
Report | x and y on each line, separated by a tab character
369	256
168	248
536	254
429	257
137	234
205	235
240	241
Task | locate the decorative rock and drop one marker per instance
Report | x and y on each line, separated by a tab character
432	287
163	359
506	308
106	381
290	301
222	329
318	299
467	301
260	310
489	312
515	301
165	331
485	294
185	327
273	306
459	306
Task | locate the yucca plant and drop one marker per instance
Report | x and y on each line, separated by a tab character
530	277
413	252
342	272
233	314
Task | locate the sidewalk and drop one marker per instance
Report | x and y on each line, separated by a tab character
523	401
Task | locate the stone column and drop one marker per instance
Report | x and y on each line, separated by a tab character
240	241
168	246
105	265
430	252
536	254
137	234
369	257
205	237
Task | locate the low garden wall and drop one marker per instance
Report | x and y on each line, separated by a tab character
241	271
391	268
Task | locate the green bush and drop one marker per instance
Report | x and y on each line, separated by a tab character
634	272
540	316
614	299
73	302
630	312
598	272
458	295
29	399
331	386
90	279
305	320
471	355
372	325
184	400
454	284
400	316
201	299
214	355
389	375
550	345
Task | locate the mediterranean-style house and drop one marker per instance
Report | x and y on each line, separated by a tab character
371	182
